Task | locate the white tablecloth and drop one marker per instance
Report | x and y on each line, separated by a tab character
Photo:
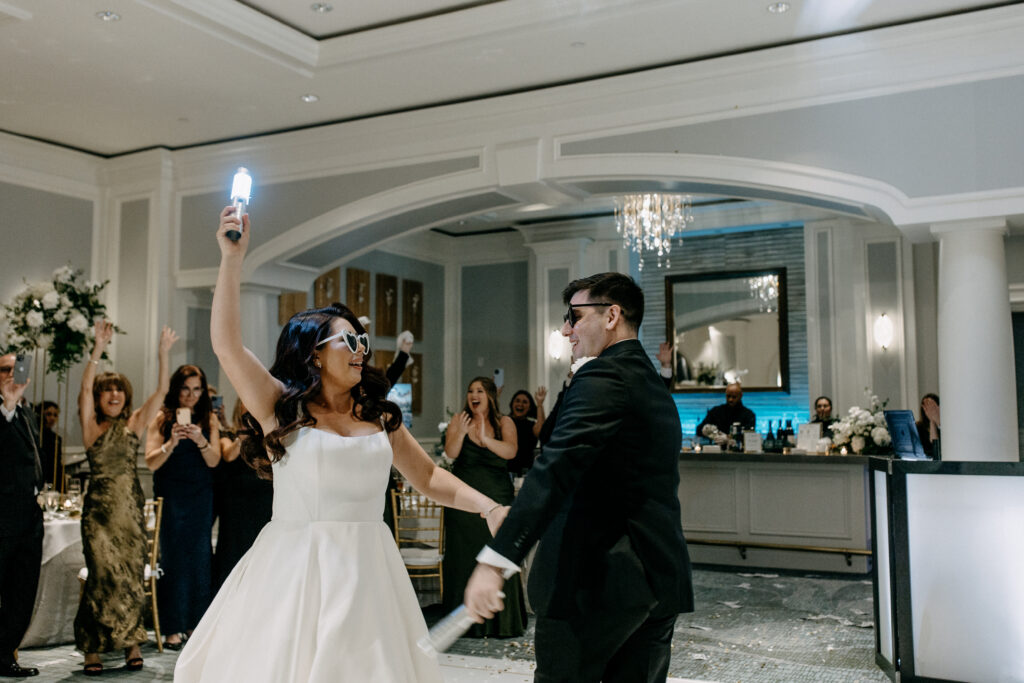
57	597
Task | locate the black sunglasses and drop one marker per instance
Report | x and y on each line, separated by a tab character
570	315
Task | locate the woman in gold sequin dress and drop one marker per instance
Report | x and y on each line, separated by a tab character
110	613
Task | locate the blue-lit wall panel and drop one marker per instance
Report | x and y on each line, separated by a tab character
726	252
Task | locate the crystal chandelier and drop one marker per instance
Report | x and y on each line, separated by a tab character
764	289
648	222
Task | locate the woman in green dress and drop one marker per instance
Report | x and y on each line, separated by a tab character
110	612
481	441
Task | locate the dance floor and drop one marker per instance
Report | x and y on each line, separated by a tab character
749	627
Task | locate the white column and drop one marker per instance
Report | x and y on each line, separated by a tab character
976	367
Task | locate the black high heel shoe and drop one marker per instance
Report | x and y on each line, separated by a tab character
133	663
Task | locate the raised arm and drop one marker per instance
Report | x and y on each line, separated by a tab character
438	484
103	331
145	413
539	396
256	387
458	427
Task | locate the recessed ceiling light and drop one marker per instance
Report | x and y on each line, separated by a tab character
108	16
778	7
577	43
321	7
309	98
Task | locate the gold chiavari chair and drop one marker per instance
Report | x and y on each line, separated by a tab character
419	532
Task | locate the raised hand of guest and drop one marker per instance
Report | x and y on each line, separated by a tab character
103	330
540	395
665	354
167	339
931	411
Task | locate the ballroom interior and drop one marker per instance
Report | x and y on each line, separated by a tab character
465	157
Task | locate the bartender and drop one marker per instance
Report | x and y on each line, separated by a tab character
731	411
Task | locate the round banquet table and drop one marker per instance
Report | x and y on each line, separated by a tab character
57	596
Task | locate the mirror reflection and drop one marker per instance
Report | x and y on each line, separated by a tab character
728	327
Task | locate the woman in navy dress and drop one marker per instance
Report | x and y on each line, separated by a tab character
182	448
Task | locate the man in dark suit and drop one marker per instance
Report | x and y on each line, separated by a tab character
612	571
21	520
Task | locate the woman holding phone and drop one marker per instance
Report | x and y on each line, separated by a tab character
182	448
110	611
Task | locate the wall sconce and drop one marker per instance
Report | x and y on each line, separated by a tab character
556	344
883	331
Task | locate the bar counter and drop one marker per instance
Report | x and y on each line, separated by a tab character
768	510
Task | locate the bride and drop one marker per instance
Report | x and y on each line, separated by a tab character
323	593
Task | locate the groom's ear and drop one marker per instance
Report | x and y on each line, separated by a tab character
614	317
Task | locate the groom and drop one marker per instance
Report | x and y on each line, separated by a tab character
612	570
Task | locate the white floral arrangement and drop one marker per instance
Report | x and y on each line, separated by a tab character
864	429
56	316
444	462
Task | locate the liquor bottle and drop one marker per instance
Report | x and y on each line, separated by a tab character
790	436
769	439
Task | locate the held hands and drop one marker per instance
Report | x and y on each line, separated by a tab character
496	517
229	221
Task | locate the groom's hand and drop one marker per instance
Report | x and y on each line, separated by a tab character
483	596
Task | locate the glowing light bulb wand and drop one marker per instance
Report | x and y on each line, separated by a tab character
241	187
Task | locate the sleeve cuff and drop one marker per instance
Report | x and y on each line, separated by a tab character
488	556
666	372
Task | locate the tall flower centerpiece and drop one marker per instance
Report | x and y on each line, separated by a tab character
56	316
864	429
443	460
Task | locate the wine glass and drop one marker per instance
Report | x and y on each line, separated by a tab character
75	493
52	500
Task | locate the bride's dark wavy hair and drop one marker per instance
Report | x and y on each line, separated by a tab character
294	365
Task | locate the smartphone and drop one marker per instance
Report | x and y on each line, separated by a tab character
184	416
499	377
22	368
217	402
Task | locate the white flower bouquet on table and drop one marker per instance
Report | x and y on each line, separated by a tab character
56	316
864	429
444	462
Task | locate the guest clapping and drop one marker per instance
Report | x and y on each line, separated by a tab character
482	442
182	448
110	612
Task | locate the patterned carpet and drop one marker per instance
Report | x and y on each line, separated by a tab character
755	627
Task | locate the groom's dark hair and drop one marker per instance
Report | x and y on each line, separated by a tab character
613	288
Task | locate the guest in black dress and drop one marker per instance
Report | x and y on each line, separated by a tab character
51	450
242	501
929	427
182	448
528	416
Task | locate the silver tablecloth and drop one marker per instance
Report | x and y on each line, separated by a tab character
57	597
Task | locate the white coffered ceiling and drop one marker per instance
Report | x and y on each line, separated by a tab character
178	73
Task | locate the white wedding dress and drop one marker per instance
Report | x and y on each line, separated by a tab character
323	594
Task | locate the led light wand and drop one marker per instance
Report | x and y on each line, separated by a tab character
241	187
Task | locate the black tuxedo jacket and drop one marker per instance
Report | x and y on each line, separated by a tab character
19	475
602	497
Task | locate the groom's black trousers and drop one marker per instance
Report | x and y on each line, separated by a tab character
611	648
